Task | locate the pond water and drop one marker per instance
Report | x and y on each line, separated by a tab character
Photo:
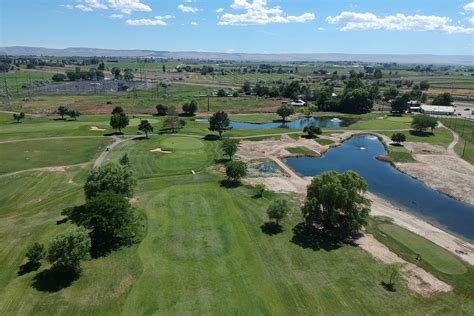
266	168
359	154
323	122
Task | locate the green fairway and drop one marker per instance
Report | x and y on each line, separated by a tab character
301	150
21	155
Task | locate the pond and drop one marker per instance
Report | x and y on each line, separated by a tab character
323	122
359	154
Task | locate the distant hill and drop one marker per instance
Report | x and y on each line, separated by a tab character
369	58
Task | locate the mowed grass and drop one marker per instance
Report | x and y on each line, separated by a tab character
434	259
440	136
465	129
301	150
29	154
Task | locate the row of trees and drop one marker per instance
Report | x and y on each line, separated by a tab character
63	110
106	221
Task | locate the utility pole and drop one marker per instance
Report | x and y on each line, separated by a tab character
208	101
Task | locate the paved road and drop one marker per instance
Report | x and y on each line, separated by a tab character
106	151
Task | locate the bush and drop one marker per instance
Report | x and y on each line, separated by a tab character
278	210
236	170
260	187
67	250
421	122
35	253
312	130
161	109
59	77
398	138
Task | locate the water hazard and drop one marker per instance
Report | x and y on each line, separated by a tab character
359	154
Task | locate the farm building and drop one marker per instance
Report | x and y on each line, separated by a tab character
437	109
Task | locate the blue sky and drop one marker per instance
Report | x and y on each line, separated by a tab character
444	27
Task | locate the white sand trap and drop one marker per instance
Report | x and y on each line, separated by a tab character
159	150
97	129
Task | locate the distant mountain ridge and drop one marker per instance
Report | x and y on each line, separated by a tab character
285	57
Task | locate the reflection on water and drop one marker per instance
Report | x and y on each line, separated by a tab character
323	122
359	154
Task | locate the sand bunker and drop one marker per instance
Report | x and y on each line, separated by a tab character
97	129
159	150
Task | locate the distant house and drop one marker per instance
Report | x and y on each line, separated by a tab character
298	102
437	109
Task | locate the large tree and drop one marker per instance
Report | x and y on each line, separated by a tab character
67	250
444	99
189	108
18	116
173	121
236	170
74	114
400	104
356	101
336	203
219	122
284	111
161	109
421	122
229	147
110	177
398	138
145	126
118	121
109	218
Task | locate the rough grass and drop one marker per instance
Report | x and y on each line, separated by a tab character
465	130
324	142
21	155
399	154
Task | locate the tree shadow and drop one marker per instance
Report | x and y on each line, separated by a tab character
211	137
271	228
59	119
28	267
113	134
388	286
186	114
421	133
221	160
229	184
309	136
396	145
307	236
54	280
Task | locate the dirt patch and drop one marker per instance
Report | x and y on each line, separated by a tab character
159	150
418	280
98	129
54	169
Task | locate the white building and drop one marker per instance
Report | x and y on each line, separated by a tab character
437	109
299	102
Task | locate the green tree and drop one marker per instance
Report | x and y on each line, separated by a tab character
391	93
35	253
128	74
221	93
261	188
118	121
421	122
229	147
236	170
312	130
161	109
189	108
67	250
110	177
164	68
145	126
424	85
278	210
445	99
74	114
219	122
394	275
400	104
59	77
116	72
62	110
18	116
246	88
109	218
117	110
356	101
398	138
172	121
284	111
336	203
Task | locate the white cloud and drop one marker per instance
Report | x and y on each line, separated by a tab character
95	4
128	6
471	20
187	9
83	8
353	21
258	13
116	16
220	10
469	6
321	29
158	20
194	23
